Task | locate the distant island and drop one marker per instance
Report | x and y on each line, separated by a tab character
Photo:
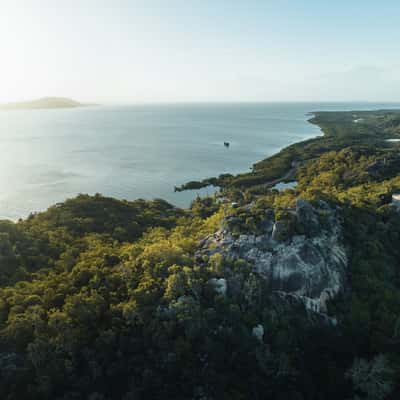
43	103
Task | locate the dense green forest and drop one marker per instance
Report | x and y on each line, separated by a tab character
104	299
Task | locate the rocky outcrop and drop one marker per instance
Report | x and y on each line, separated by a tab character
219	285
302	257
258	332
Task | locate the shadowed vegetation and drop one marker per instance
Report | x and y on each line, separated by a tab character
106	299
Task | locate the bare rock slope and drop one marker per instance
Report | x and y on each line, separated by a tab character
303	258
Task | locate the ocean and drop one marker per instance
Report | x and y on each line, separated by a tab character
140	151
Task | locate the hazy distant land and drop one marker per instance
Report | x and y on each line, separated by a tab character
45	102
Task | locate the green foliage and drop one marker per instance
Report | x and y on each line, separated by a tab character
374	379
107	299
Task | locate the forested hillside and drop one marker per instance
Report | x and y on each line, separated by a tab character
104	299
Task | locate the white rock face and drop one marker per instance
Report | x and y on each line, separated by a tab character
258	332
310	266
396	201
219	285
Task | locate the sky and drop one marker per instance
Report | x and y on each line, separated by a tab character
134	51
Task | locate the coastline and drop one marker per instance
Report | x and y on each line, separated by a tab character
156	147
264	174
286	175
139	264
355	127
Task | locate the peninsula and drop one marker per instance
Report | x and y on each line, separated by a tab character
43	103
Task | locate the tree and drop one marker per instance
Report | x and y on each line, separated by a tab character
373	380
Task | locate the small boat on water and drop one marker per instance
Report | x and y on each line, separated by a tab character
226	144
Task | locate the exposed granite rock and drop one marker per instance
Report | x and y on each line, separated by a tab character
280	231
258	332
219	285
306	262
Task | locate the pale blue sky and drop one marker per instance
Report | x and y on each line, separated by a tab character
125	51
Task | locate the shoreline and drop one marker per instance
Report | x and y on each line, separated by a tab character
271	170
255	133
223	180
283	165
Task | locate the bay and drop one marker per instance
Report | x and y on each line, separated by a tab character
140	151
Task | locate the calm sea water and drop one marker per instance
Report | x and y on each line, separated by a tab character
139	151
